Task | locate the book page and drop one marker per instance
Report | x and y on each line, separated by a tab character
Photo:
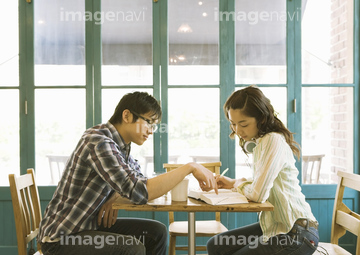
198	192
224	198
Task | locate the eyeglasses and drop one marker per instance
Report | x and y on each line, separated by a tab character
149	123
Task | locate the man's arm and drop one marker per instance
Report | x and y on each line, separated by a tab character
161	184
106	214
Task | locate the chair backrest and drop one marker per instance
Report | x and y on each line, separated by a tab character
27	208
312	163
57	164
213	167
343	218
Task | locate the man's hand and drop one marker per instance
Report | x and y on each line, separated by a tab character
106	214
205	178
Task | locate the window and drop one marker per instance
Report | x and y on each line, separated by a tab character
327	132
9	138
193	115
327	99
59	123
67	70
193	125
9	57
260	34
59	56
190	55
126	43
193	42
59	43
127	62
260	41
9	93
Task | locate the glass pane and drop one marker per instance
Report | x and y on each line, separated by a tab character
127	42
193	42
327	133
278	99
194	130
9	50
9	135
260	30
59	124
59	42
327	41
144	153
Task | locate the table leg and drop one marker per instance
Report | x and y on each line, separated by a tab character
192	233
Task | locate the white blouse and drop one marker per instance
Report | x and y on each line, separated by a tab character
275	179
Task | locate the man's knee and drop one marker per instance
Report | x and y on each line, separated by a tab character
162	228
210	245
137	250
158	228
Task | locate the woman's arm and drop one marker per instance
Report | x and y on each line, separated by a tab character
270	157
224	182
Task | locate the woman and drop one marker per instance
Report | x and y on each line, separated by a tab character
291	228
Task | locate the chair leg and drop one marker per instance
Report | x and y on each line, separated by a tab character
172	243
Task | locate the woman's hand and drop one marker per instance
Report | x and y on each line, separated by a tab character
224	182
106	214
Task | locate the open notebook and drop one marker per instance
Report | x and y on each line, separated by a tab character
225	197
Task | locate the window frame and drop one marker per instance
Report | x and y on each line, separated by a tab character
160	87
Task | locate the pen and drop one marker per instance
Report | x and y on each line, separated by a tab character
224	172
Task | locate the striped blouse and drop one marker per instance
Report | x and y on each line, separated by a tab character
275	180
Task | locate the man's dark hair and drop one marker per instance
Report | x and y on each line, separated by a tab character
138	102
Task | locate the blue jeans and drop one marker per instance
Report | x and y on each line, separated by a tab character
128	236
247	240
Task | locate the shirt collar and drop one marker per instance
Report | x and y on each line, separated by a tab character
119	140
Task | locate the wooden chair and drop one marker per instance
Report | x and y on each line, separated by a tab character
343	218
57	164
312	163
204	228
27	209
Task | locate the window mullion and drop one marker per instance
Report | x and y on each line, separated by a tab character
26	79
356	88
227	81
97	61
89	62
157	80
163	50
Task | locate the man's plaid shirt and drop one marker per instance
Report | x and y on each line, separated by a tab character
100	165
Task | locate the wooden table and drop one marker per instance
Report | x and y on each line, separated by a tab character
164	204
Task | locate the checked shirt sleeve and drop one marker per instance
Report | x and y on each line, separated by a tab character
110	164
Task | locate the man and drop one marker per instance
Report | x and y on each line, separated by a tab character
99	171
